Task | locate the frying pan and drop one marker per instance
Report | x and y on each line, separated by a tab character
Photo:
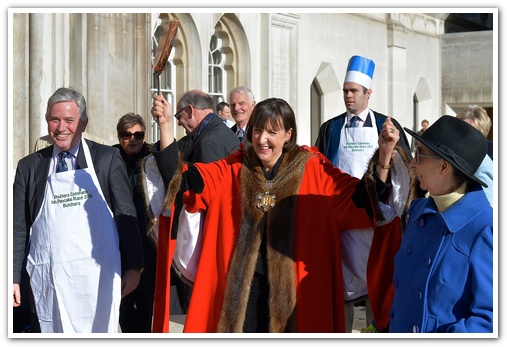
164	48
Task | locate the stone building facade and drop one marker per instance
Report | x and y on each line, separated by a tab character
421	72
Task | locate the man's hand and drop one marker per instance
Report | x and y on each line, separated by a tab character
387	140
16	295
389	137
161	110
162	113
130	281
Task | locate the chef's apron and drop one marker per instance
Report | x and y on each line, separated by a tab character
74	261
356	148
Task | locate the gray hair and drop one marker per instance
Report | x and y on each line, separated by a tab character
198	99
243	90
67	94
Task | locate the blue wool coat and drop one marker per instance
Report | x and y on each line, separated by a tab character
443	272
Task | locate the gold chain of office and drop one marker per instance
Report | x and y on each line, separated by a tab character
267	200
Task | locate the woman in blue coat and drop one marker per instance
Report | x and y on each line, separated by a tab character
443	271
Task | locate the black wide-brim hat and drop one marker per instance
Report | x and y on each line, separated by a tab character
457	142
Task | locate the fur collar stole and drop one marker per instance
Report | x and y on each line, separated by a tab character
278	224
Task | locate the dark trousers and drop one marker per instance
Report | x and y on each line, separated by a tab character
136	312
25	318
180	295
136	309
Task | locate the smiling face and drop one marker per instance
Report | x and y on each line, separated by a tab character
65	126
268	143
241	108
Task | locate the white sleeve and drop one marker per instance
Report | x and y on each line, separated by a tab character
155	192
154	186
188	243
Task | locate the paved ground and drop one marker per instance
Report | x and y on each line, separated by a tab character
359	319
176	324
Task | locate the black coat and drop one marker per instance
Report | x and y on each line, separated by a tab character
216	141
134	174
234	128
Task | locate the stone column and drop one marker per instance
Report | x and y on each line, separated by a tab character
398	106
41	76
118	63
20	121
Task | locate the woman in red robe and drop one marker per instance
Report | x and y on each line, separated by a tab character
268	250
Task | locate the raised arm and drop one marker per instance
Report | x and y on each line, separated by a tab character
388	138
163	114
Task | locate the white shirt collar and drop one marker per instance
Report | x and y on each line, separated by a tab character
363	115
73	151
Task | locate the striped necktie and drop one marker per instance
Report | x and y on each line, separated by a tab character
240	135
62	165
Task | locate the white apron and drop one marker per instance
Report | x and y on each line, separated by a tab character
74	261
356	148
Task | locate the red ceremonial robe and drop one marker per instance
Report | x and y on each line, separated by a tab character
162	301
315	208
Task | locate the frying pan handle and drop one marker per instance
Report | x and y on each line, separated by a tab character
157	78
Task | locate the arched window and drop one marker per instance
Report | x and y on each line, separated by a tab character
167	78
216	71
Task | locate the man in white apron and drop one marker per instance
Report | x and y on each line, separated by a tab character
77	213
349	141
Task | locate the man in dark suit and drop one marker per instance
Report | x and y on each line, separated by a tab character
75	225
241	103
207	139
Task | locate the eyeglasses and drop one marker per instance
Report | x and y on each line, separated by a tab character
126	135
177	114
417	155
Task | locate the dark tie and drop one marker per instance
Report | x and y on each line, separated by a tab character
354	122
62	165
240	135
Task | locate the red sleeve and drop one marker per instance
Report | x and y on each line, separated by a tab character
386	242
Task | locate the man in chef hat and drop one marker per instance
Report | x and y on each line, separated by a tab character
349	141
